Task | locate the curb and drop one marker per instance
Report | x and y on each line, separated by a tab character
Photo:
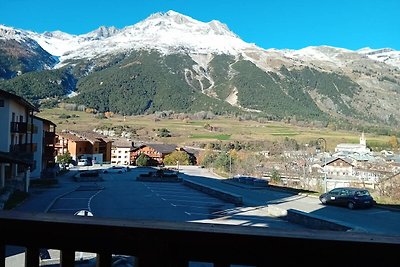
226	196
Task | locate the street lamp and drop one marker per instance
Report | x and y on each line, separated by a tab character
319	142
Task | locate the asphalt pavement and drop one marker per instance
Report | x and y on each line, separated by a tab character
256	202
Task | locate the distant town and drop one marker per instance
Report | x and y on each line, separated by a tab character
31	148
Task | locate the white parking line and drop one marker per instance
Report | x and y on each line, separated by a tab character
192	207
175	191
74	198
180	196
194	201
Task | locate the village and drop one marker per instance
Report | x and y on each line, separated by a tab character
32	149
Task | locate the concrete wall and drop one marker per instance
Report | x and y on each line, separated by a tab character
226	196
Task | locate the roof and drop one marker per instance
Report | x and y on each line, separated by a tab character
193	151
71	137
351	188
162	148
122	143
84	136
44	120
18	99
348	161
92	136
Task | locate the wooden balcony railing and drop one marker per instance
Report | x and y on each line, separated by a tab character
49	152
18	127
23	148
49	137
23	127
175	244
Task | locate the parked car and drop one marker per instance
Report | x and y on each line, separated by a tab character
83	162
116	169
349	197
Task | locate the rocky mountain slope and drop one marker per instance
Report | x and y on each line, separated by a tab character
170	61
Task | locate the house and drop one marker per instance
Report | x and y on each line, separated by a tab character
23	142
156	152
45	154
339	167
94	147
120	151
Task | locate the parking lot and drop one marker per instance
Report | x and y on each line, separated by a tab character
120	195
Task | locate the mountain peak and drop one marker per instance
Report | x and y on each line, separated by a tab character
172	17
101	33
10	33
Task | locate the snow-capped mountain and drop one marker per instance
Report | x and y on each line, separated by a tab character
209	59
19	53
386	55
168	32
172	32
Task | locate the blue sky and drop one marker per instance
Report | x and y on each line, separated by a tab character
351	24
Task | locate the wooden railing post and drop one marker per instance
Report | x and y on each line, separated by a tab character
67	258
2	255
103	259
32	257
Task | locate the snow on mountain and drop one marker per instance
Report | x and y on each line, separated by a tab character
101	33
386	55
166	32
173	32
8	33
56	43
326	55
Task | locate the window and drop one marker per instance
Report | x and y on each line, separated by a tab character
1	103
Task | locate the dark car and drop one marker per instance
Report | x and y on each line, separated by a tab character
349	197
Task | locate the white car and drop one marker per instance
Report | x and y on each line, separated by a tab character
83	162
116	169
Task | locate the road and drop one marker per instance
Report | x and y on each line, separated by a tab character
374	220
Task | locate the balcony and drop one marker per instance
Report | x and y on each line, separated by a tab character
156	243
49	137
23	148
49	151
19	127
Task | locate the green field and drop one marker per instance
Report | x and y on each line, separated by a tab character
187	132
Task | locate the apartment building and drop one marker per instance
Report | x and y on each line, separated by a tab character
22	146
45	155
120	151
94	147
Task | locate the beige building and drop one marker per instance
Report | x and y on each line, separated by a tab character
120	151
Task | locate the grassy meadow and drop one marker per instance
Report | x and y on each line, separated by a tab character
189	132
